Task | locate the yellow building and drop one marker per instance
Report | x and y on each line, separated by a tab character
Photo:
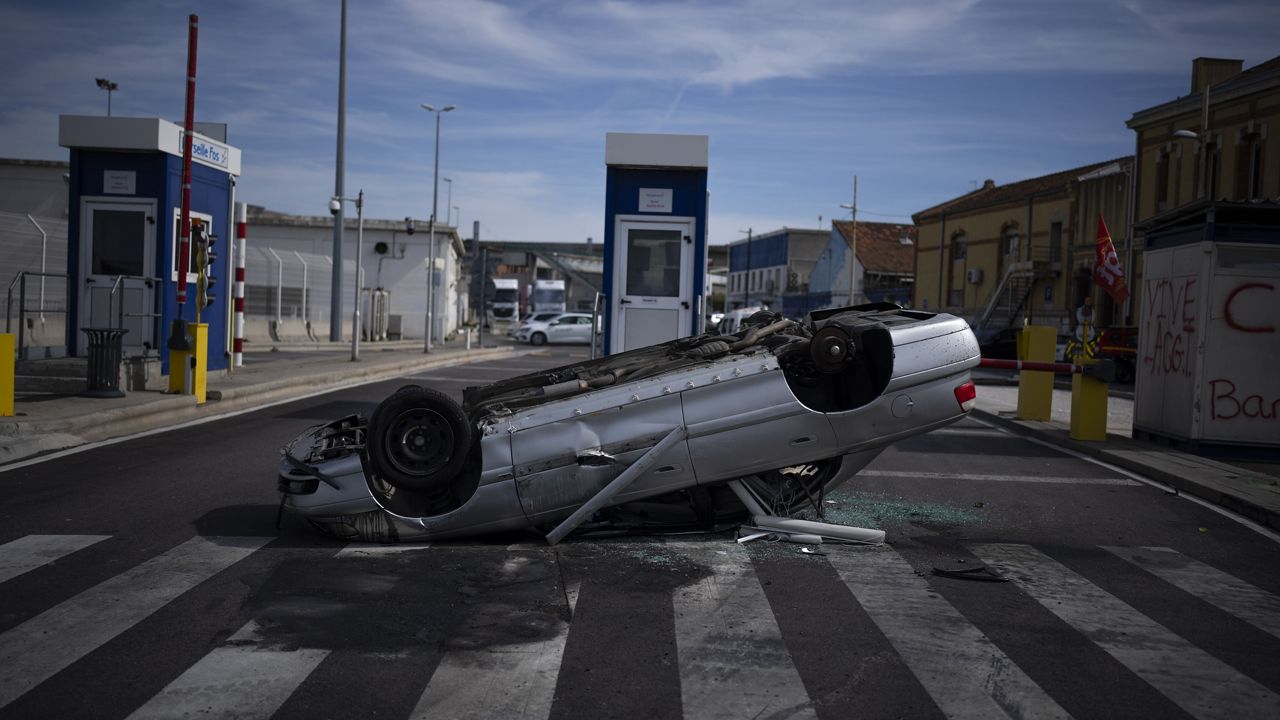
1004	255
1212	143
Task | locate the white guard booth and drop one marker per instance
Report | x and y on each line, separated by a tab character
655	238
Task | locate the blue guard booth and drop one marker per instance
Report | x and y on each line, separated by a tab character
125	197
655	238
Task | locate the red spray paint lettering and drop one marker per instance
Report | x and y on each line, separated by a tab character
1169	335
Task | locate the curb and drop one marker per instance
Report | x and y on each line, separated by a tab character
24	440
1231	495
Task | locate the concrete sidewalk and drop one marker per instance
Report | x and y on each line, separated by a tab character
47	422
1252	491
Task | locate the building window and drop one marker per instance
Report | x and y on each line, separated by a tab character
1010	241
1253	183
1162	181
1213	163
959	243
1055	242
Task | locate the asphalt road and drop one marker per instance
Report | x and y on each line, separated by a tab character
146	578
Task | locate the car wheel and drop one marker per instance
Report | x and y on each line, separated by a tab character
1124	371
418	439
538	339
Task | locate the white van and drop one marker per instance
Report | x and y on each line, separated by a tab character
732	320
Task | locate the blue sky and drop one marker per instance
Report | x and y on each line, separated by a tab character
918	99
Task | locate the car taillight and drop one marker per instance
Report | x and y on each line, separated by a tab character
966	395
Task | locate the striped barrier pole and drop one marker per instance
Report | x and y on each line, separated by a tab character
237	347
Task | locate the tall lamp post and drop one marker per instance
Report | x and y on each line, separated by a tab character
110	87
746	279
448	203
431	252
335	207
1203	138
335	284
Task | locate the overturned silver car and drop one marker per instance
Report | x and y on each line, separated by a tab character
641	439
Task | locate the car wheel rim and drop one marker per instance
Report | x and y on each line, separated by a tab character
419	442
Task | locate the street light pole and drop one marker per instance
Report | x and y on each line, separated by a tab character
746	280
431	251
853	244
448	203
335	205
335	285
1203	137
110	87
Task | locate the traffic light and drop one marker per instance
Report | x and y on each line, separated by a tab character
203	242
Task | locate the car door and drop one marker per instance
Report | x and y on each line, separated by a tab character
560	330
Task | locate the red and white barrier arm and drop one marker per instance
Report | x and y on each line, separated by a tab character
237	346
1053	367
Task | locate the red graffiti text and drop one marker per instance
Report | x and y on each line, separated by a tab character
1228	405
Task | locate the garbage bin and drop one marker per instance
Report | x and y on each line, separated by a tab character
106	352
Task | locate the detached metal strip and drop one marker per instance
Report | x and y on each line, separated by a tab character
628	476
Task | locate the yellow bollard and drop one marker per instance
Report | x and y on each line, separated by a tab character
6	374
1088	406
1035	387
181	366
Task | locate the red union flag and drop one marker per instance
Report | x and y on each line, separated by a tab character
1106	266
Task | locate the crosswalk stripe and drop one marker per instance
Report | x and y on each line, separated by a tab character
1049	479
28	553
963	671
234	681
46	644
1201	684
374	550
733	662
513	680
1247	602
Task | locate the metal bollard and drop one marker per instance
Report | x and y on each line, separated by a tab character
1088	404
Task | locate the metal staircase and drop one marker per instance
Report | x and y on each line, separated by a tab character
1013	292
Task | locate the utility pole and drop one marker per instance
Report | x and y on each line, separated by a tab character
746	280
853	244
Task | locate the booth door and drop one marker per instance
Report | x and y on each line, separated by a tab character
653	288
117	271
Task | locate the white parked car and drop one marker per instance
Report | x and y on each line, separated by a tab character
541	318
561	328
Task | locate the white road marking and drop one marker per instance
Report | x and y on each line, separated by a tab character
967	432
234	682
1247	602
996	478
28	553
374	550
46	644
963	671
515	681
733	661
1235	517
1199	683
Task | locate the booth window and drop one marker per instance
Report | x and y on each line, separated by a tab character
653	262
118	238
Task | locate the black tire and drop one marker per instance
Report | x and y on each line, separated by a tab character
538	339
418	439
1124	371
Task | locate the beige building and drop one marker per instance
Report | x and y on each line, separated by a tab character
1212	143
1003	255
